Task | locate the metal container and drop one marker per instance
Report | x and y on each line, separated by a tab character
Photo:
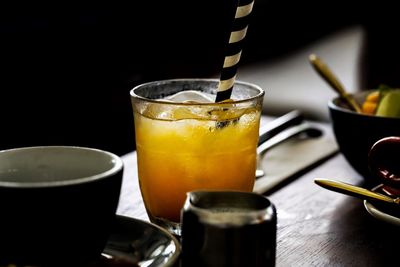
228	228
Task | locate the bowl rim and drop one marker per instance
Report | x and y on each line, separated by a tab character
333	106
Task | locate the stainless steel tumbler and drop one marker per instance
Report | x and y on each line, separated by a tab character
228	228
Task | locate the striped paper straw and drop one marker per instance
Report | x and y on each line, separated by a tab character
234	49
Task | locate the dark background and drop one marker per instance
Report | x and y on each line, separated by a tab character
66	69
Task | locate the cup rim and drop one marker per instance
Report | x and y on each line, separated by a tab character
250	215
116	167
158	101
377	164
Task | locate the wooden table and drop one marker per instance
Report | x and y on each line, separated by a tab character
316	227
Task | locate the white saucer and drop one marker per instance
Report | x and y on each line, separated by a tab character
381	214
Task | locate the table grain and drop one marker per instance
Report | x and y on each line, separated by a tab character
316	227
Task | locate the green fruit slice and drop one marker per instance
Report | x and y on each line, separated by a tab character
389	106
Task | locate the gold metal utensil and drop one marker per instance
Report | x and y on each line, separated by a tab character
354	191
324	71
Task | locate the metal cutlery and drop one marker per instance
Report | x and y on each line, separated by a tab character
304	128
354	191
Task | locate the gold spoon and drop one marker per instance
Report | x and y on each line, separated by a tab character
324	71
354	191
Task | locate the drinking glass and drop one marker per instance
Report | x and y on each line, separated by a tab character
185	141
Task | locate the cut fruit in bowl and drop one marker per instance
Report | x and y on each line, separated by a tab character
384	102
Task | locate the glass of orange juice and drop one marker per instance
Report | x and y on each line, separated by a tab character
185	141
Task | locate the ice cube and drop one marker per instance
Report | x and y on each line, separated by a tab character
191	96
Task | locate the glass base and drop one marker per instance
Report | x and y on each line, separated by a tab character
173	227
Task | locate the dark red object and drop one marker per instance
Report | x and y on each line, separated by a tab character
384	161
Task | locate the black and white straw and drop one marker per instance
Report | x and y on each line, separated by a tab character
234	49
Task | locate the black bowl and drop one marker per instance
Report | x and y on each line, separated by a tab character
355	133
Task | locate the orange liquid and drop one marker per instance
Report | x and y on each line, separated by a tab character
175	157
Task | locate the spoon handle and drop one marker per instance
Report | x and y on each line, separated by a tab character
272	128
352	190
287	134
323	70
